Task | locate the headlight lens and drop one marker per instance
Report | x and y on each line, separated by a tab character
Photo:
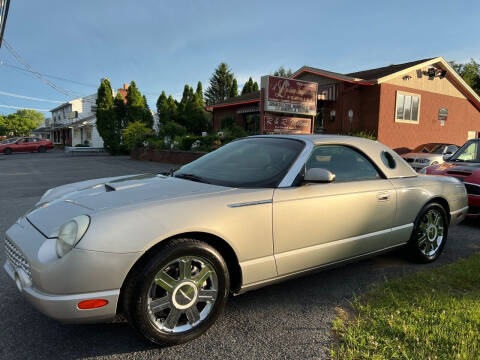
71	233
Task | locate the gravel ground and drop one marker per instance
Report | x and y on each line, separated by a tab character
288	320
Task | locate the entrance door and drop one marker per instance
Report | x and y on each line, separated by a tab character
317	224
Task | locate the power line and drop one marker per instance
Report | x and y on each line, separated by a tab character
23	108
48	75
148	93
30	97
27	66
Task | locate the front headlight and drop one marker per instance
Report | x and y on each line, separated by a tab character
71	233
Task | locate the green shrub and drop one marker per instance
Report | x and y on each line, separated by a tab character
187	141
135	134
227	122
172	129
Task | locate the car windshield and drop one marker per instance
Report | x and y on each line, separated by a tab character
469	152
430	148
247	163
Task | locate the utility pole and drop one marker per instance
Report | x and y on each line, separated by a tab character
4	5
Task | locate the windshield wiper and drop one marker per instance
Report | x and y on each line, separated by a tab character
459	160
192	177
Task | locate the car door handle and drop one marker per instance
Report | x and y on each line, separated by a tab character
384	196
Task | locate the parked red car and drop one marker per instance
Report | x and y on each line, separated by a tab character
26	144
465	166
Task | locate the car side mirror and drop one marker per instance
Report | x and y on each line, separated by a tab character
319	175
447	156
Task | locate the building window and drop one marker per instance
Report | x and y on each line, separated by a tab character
407	108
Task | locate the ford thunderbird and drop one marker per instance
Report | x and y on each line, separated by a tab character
165	251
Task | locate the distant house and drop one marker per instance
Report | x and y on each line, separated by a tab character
75	122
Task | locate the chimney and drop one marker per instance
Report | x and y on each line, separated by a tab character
125	87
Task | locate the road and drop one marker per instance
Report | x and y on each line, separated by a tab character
287	320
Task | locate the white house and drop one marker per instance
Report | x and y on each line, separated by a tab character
74	123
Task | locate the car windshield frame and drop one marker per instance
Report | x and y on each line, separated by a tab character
461	150
196	170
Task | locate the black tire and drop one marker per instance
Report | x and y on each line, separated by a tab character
425	244
138	287
7	151
42	149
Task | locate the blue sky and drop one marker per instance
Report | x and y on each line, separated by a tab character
163	45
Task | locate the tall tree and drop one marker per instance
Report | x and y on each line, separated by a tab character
172	109
247	87
119	110
199	93
147	114
234	89
135	106
162	108
255	87
282	72
108	125
470	72
221	83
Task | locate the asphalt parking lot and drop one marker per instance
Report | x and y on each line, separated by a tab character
288	320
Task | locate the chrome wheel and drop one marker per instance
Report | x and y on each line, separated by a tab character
430	232
182	294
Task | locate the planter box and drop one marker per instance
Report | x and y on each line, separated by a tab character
164	156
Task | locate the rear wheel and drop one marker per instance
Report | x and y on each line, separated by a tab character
429	234
42	149
178	293
7	151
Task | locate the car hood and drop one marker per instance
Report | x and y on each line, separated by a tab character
422	156
65	202
464	171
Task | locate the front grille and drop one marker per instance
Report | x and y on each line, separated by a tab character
472	189
16	258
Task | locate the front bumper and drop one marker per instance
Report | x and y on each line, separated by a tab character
65	307
56	286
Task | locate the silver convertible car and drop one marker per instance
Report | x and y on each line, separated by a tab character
167	250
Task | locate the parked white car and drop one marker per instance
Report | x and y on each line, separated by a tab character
429	154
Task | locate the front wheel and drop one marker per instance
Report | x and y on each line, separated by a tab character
178	293
429	234
7	151
42	149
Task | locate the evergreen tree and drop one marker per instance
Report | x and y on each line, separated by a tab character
172	107
162	108
147	114
199	93
119	110
135	106
107	123
221	83
247	87
282	72
255	87
234	89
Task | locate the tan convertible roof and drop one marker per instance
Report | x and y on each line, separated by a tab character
373	149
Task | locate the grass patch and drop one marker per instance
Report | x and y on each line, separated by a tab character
432	314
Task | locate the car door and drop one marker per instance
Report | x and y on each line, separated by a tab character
317	224
21	145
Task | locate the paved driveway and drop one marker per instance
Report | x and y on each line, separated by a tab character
288	320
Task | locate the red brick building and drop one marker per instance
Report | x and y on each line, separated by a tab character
404	105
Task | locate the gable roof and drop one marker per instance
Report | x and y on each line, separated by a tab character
252	97
377	73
